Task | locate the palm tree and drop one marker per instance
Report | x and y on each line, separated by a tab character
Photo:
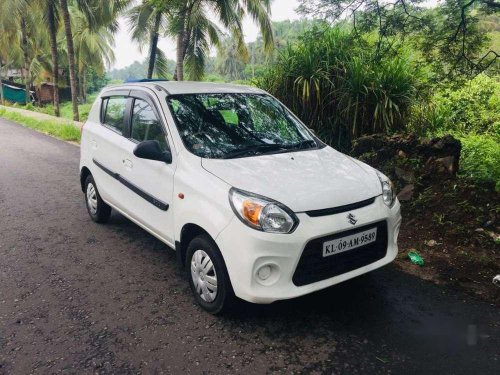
98	14
195	33
229	61
38	46
93	47
147	20
50	14
94	22
71	57
53	20
26	60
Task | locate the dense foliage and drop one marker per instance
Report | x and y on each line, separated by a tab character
474	107
339	89
480	159
471	113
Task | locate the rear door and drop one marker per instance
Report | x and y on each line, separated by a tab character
150	182
106	143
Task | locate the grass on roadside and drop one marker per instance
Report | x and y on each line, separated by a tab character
66	132
65	108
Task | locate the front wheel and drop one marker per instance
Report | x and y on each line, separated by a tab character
208	276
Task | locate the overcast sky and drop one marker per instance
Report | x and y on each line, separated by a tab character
127	52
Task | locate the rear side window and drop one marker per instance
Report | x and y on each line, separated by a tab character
114	112
145	124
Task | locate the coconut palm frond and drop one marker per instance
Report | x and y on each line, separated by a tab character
260	11
140	21
162	68
94	46
197	50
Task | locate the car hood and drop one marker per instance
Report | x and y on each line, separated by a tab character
304	180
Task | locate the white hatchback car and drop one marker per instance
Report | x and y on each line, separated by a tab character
254	204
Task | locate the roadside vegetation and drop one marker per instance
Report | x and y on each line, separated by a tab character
66	110
65	132
470	112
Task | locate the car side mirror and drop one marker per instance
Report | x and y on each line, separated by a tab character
151	150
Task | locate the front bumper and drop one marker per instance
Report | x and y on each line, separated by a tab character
246	250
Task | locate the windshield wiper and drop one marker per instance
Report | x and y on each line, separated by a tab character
306	143
255	150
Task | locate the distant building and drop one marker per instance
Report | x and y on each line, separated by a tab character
45	93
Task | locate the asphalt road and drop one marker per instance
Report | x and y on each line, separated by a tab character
78	297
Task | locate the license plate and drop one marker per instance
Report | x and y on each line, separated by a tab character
347	243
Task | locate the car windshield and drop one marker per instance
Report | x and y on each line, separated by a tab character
225	126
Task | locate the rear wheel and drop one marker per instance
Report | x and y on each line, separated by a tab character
208	276
98	210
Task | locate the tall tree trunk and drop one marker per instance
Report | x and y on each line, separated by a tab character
179	66
83	85
53	52
154	44
71	58
24	44
181	53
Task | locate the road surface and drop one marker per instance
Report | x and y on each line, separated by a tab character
78	297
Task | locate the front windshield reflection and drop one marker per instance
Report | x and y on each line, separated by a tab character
236	125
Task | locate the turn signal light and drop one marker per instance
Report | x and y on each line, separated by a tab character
251	211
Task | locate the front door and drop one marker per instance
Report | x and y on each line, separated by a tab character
149	182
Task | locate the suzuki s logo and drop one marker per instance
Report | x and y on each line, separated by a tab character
352	219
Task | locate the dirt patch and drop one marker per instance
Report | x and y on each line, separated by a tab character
453	224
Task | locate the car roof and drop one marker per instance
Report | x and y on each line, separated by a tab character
187	87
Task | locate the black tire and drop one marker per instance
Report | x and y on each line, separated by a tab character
225	299
102	211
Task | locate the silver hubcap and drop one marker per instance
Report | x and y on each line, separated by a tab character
204	276
92	199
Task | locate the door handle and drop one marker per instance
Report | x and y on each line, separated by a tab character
127	164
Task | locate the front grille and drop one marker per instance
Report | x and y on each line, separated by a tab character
313	267
340	209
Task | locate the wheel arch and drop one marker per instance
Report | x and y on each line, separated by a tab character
188	232
84	173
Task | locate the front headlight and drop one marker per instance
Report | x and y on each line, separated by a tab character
262	213
387	189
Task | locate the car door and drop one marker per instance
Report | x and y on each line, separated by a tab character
150	182
106	142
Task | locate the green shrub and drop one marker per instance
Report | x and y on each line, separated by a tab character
474	108
472	114
338	89
428	118
480	159
84	111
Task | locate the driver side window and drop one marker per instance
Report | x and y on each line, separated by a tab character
145	124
